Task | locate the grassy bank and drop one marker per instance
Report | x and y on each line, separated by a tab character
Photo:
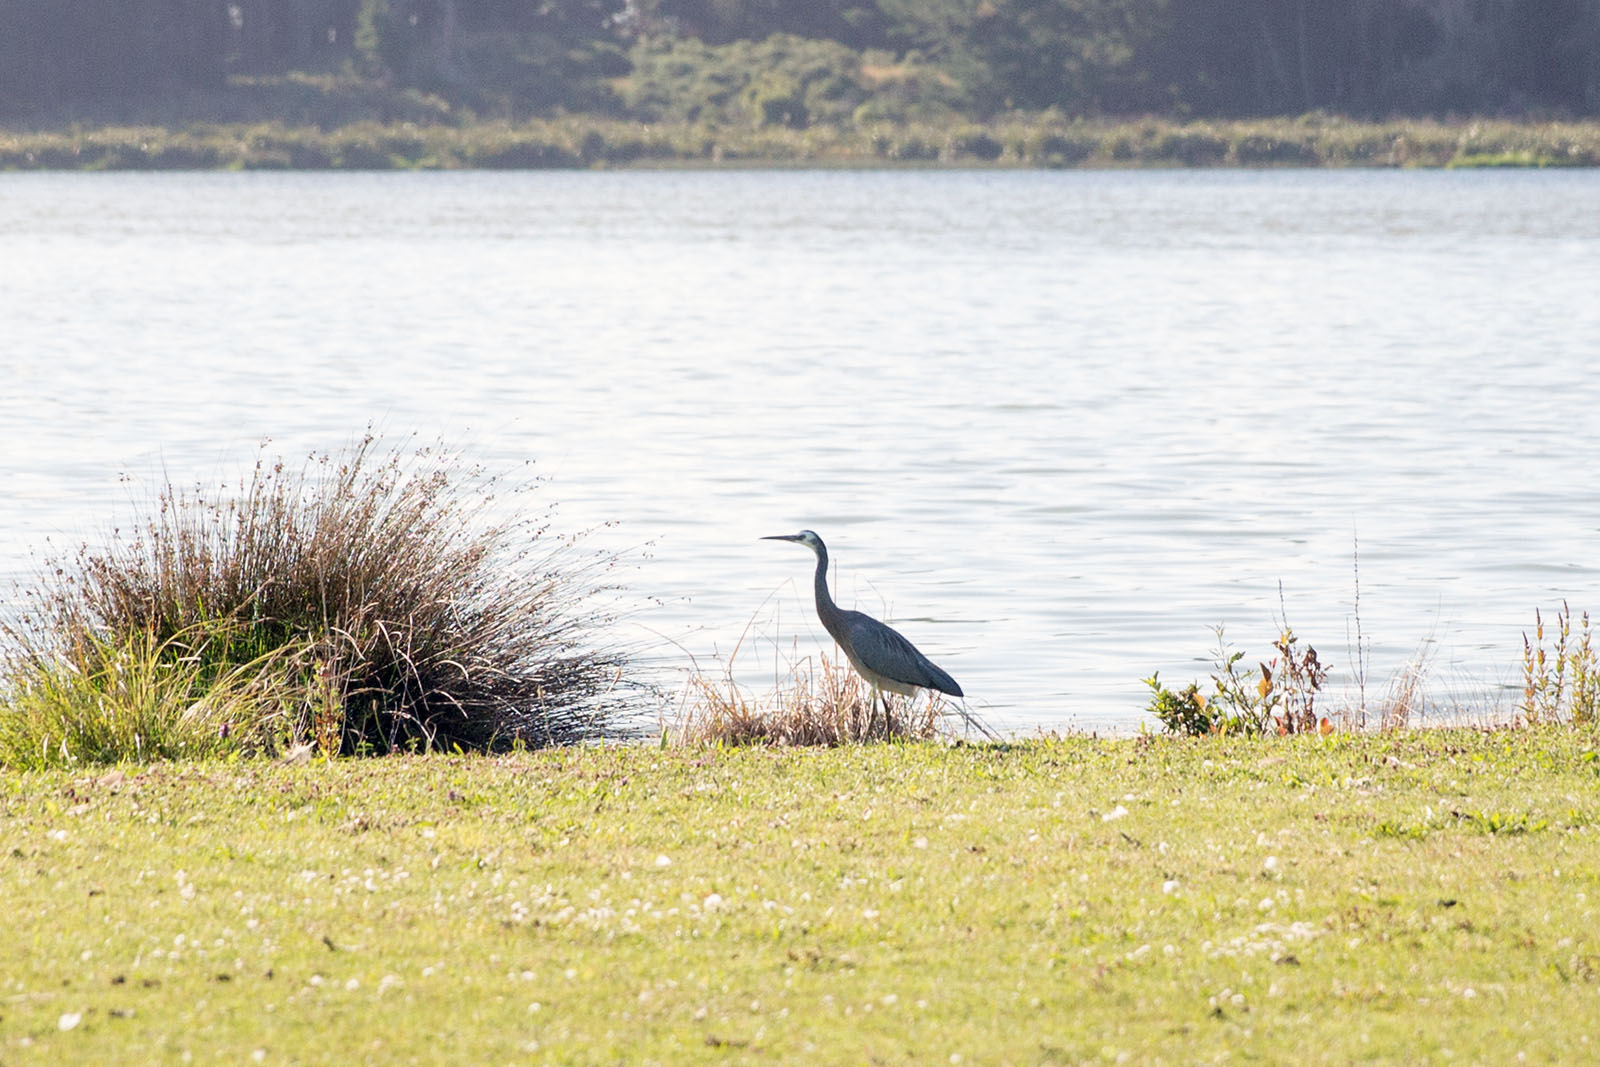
1019	141
1409	897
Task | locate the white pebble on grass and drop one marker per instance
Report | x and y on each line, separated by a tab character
69	1021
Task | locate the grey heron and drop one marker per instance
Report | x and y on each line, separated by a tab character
878	653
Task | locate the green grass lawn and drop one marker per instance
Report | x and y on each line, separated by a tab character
1415	898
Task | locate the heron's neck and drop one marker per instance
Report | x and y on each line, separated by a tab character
827	610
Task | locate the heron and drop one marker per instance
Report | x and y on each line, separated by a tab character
878	652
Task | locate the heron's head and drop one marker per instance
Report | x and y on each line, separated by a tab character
804	537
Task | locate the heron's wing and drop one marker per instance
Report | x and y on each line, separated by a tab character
884	651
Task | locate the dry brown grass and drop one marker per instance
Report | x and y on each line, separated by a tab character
1417	695
823	702
1406	699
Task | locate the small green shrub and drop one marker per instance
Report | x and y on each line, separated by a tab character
1180	711
1281	700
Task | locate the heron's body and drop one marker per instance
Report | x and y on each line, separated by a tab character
878	652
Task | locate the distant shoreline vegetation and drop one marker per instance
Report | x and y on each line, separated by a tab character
1037	140
385	84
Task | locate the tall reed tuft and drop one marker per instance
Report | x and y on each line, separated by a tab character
372	589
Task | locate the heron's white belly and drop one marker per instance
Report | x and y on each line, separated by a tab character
878	681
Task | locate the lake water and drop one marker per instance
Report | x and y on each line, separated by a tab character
1054	425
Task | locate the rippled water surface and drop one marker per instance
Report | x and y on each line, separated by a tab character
1054	425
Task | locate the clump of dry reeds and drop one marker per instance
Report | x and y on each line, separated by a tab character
395	613
1406	699
823	702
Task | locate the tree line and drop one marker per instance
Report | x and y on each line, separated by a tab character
1184	58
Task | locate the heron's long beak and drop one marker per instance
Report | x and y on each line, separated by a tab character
781	537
